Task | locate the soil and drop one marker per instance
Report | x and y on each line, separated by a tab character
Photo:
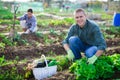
28	52
33	51
113	51
63	75
113	42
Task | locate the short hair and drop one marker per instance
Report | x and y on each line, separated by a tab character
30	10
79	10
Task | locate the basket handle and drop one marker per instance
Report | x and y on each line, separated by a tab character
43	56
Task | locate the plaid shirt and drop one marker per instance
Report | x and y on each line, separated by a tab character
31	23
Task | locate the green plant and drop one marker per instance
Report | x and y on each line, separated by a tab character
2	46
103	68
6	40
24	41
53	62
43	23
47	40
106	36
52	31
10	74
69	20
28	74
114	30
2	59
106	16
118	29
72	68
8	22
39	34
5	14
63	62
83	70
16	37
116	61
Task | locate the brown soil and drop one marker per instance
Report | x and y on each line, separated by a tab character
28	52
113	42
63	75
113	51
34	51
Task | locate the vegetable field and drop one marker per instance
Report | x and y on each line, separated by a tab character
16	53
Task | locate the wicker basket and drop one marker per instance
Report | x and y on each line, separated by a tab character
41	73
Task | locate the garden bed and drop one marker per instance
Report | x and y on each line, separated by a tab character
50	45
52	48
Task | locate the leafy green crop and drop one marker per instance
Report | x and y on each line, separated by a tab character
5	40
2	47
116	60
63	62
5	14
2	60
103	68
39	34
11	74
83	70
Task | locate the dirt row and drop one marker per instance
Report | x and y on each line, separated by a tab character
28	52
33	51
113	42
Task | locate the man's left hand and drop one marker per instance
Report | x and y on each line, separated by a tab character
92	59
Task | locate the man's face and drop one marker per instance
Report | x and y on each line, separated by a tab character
80	18
29	14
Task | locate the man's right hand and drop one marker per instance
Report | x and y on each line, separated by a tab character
70	54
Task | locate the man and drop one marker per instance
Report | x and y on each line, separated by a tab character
28	22
84	36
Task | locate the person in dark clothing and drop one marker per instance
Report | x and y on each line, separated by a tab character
84	36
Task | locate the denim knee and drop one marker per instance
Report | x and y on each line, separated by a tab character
73	39
90	51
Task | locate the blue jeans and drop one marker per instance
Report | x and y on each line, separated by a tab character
77	46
